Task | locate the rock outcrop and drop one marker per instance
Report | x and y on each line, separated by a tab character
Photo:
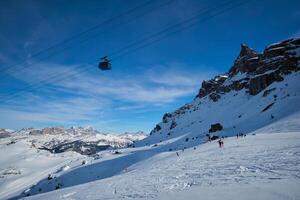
215	127
255	71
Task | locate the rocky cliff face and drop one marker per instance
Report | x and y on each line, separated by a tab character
239	98
259	70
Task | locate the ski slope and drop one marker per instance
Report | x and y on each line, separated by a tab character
264	165
22	165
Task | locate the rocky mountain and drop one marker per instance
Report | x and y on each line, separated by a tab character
83	140
4	133
259	70
259	88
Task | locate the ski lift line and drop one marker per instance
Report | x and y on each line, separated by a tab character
122	55
86	39
81	33
84	70
176	31
170	28
145	39
95	35
87	68
65	71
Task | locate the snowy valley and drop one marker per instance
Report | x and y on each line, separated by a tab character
254	108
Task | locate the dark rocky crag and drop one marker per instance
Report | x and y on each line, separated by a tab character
260	69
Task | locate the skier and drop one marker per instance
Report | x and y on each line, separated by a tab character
220	143
50	176
177	154
272	116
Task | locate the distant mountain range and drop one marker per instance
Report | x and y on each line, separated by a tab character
84	140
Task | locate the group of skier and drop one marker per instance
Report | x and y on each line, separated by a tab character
240	135
220	141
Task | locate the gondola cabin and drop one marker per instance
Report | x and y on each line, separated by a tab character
104	64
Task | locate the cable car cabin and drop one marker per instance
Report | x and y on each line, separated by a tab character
104	64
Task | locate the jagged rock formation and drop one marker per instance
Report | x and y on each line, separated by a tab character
259	70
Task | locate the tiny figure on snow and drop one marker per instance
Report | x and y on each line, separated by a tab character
221	143
177	154
50	177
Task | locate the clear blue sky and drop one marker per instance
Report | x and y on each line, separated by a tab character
144	84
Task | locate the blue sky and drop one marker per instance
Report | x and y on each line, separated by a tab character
144	84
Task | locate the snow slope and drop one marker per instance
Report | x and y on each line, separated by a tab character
22	165
260	163
23	162
236	111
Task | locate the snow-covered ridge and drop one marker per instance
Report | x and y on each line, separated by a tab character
259	88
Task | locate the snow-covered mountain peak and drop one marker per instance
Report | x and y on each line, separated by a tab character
255	71
258	88
246	52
